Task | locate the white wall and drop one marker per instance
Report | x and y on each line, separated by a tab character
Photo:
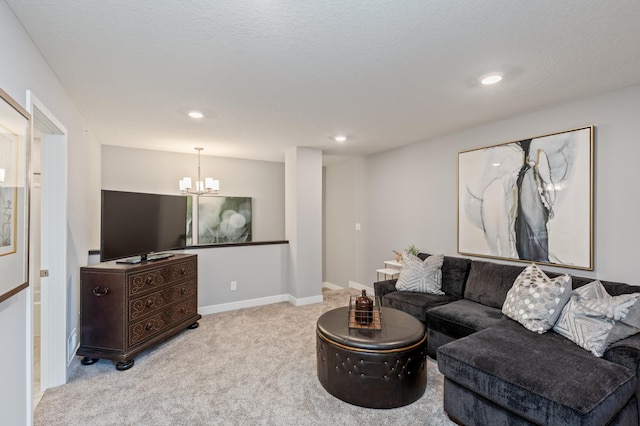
258	270
342	213
22	68
410	194
259	273
303	210
137	170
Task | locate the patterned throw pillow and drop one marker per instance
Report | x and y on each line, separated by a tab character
421	276
535	300
594	320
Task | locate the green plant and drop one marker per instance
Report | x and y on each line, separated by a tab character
413	250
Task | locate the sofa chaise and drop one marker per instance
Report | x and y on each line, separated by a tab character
498	372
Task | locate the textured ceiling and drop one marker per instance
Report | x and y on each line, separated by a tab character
272	74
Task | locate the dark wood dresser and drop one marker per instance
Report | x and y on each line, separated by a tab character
125	309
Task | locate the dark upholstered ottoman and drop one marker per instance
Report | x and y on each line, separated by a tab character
372	368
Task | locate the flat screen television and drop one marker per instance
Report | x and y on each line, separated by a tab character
135	226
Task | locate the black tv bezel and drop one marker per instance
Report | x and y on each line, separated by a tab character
135	257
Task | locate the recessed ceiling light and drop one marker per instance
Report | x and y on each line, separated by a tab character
340	138
195	114
491	79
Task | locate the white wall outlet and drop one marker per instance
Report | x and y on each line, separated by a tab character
357	226
234	285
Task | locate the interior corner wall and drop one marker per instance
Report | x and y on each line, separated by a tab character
142	170
23	68
343	242
303	211
410	194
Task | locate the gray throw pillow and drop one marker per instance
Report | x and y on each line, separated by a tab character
593	319
535	300
421	276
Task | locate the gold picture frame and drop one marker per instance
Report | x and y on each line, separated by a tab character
529	200
14	197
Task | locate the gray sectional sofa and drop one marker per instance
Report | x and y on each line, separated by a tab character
499	373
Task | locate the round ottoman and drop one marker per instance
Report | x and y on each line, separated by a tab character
372	368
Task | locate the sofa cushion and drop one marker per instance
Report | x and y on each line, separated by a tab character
540	377
384	287
489	282
421	276
454	275
625	352
462	318
594	320
415	304
616	289
535	300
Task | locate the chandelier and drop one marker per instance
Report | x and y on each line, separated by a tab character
207	187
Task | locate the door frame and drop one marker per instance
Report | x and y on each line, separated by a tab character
53	247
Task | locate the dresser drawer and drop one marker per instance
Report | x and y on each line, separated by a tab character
158	300
156	324
149	280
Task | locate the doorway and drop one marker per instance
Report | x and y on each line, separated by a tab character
48	250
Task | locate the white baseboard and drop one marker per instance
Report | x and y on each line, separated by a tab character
358	286
232	306
331	286
305	300
241	304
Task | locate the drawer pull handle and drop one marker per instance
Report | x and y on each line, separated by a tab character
183	290
149	326
149	279
183	270
183	310
97	293
149	303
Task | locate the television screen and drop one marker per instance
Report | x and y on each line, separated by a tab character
138	224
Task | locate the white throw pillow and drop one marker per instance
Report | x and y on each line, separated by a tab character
421	276
593	319
535	300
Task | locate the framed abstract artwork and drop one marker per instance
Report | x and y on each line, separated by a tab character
530	200
14	197
224	220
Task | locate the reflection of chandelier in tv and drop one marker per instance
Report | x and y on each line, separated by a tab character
208	186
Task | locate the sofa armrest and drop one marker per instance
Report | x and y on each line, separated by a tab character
384	287
625	352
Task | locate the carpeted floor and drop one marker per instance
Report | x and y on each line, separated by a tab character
253	366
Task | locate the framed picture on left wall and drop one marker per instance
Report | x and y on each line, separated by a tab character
14	197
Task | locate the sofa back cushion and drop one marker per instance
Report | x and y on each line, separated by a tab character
613	288
455	271
489	282
616	289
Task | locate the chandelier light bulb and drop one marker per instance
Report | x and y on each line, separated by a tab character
206	186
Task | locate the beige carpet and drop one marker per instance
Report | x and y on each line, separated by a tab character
253	366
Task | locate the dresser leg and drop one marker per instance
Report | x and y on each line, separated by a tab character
122	366
194	325
88	360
